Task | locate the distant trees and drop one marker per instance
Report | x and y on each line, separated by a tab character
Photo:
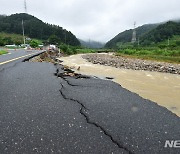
161	33
147	34
1	42
7	39
35	28
126	36
53	39
178	43
67	49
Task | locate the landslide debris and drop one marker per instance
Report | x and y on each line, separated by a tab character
47	56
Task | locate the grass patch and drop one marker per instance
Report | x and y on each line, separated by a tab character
2	52
86	51
166	51
14	47
70	50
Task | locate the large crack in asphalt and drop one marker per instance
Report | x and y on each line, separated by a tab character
66	72
83	109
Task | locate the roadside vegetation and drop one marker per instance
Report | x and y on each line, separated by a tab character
34	43
2	52
167	50
156	55
6	39
70	50
159	42
16	41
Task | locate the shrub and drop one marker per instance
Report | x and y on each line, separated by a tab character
66	49
178	43
158	52
162	46
34	43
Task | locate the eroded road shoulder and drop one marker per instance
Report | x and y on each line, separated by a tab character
135	124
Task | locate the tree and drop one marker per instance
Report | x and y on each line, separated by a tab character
178	43
7	40
53	39
18	42
1	42
34	43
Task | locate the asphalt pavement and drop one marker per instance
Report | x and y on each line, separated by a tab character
43	113
15	56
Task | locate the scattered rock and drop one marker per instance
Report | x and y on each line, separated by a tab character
109	78
78	68
134	64
68	70
174	108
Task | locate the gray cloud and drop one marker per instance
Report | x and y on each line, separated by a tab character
98	20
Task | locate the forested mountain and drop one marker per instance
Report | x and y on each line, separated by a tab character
126	36
148	34
91	44
35	28
161	33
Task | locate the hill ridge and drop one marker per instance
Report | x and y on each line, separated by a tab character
147	34
36	28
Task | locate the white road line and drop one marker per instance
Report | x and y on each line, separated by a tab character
5	62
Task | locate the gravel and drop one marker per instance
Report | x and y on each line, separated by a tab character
134	64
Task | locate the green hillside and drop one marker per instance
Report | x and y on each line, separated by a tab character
148	35
35	28
161	33
159	42
126	36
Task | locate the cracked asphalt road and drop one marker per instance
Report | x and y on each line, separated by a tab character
43	113
16	56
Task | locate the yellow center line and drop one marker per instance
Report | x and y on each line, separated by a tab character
16	58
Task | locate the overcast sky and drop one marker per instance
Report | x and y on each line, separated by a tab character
98	20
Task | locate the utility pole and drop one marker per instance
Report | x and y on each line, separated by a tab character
23	32
25	11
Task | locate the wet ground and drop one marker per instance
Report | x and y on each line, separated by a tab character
163	88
